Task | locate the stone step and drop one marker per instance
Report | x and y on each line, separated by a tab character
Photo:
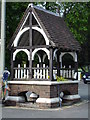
28	105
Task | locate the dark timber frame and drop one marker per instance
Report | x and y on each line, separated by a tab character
30	44
41	25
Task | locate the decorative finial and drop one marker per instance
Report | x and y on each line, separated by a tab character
30	5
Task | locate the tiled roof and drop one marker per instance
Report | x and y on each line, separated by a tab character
55	29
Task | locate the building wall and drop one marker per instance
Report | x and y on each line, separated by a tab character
45	91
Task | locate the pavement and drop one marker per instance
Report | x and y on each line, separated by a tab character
74	111
78	110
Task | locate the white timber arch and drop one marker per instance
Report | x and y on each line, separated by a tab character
27	28
19	50
38	57
44	56
73	54
55	55
43	49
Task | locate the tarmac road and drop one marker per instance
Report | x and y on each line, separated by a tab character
79	110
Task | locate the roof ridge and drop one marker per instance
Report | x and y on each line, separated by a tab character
42	9
47	11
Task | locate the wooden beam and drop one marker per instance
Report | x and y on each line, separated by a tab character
32	47
51	64
58	64
30	44
32	26
40	68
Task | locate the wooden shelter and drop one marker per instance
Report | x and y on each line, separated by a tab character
45	34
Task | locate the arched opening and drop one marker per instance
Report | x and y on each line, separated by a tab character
66	92
41	57
40	63
37	38
23	94
45	60
36	60
21	65
67	60
21	58
41	52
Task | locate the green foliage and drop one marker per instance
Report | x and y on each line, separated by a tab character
21	58
14	12
60	79
77	20
75	15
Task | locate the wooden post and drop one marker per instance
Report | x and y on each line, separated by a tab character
24	71
51	64
12	65
40	70
19	71
76	68
76	64
30	44
43	71
58	65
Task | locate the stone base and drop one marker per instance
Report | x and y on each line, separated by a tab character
48	105
70	99
9	103
48	91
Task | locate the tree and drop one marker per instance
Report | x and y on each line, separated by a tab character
75	15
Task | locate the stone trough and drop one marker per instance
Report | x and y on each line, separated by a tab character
13	100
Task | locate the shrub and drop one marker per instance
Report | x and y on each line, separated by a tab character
60	79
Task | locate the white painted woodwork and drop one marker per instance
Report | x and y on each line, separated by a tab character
79	76
55	55
20	33
44	56
43	82
22	73
47	74
18	71
37	71
41	74
73	54
38	57
19	50
16	74
27	74
43	71
43	49
33	53
69	71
